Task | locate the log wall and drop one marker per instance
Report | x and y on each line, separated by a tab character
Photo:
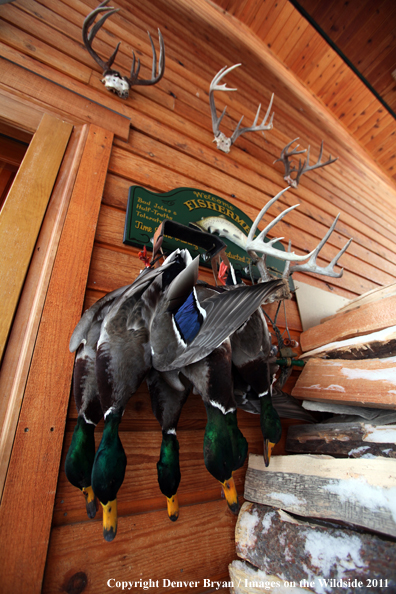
170	145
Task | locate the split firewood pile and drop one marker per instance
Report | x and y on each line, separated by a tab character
323	518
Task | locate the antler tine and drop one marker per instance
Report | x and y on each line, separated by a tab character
289	166
133	80
88	36
285	155
312	266
262	213
254	128
214	86
307	167
134	73
258	244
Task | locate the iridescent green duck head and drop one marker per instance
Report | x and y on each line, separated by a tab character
168	470
270	426
239	443
108	473
79	462
219	454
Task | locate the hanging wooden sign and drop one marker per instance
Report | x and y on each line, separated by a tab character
146	210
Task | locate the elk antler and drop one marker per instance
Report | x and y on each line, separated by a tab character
112	79
302	167
222	141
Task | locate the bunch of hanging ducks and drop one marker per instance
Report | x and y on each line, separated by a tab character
177	335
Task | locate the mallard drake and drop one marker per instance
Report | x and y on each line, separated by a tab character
168	392
123	359
251	353
81	453
211	378
167	400
190	336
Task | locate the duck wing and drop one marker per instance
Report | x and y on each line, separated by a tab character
113	300
208	322
94	314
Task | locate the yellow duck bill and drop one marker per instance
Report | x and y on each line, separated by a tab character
91	502
110	520
268	447
173	507
231	495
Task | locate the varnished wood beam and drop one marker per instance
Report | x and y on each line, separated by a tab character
23	212
26	510
18	354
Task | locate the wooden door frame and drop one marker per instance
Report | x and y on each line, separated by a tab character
45	381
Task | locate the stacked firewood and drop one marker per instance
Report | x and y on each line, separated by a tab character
323	519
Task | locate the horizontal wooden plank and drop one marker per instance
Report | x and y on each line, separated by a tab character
357	491
62	100
75	549
11	35
366	382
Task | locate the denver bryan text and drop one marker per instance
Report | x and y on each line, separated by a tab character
165	583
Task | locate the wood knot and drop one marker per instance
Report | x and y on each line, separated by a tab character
76	584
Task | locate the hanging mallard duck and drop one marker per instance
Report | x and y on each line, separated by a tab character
176	333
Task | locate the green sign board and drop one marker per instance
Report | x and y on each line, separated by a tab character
146	210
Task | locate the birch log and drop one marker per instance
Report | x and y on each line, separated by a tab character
360	492
369	346
368	382
343	439
246	579
321	557
361	320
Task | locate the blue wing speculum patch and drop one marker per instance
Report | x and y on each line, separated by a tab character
189	318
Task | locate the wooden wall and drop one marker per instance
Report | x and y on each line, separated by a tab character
170	145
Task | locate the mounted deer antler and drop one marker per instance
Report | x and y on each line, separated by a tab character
112	79
302	168
258	246
223	142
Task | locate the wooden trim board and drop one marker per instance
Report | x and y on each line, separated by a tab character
18	354
30	487
24	210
